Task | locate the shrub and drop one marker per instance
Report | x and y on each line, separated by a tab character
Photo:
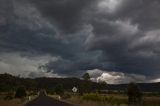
134	94
20	92
59	90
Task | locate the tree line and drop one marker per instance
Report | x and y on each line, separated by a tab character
9	83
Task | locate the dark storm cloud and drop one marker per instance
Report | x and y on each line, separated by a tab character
66	14
77	65
28	30
134	23
143	12
23	30
109	35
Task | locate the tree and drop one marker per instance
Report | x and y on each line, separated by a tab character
134	94
102	85
59	89
85	87
20	92
102	82
86	77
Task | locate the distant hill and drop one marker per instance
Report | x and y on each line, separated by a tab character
9	82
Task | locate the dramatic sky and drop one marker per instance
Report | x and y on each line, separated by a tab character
117	41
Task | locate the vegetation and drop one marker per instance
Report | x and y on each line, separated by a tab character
86	77
95	99
13	102
89	93
86	85
104	99
20	92
11	83
59	90
134	94
9	95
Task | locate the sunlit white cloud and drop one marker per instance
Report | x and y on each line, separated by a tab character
112	77
155	80
109	78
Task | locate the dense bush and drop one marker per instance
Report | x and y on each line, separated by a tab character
134	94
59	90
20	92
50	91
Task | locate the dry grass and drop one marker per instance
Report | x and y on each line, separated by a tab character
152	98
152	101
13	102
78	101
89	103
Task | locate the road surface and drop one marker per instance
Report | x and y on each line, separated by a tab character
44	100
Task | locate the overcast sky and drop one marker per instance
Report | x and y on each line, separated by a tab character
117	41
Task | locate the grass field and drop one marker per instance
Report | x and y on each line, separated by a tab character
109	100
14	101
92	99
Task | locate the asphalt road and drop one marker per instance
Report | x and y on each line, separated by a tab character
44	100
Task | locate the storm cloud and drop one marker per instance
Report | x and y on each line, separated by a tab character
114	36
